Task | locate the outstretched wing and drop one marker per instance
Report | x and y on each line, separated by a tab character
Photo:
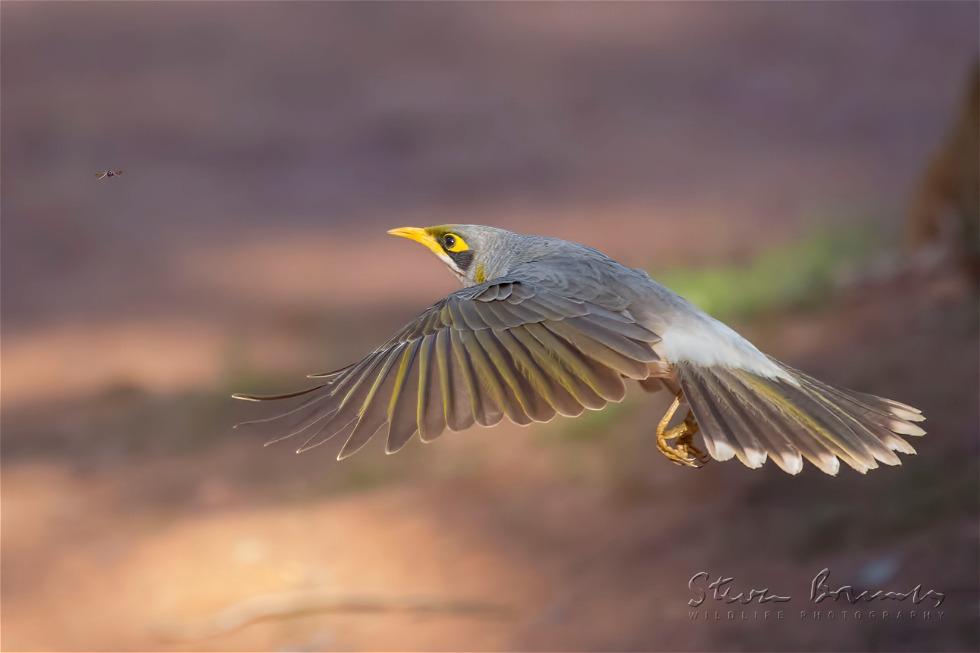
524	348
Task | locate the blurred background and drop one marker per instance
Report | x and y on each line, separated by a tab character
804	171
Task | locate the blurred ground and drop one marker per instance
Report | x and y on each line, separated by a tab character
266	148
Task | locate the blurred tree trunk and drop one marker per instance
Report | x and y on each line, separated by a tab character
946	208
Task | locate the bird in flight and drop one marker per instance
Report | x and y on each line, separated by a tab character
546	327
105	174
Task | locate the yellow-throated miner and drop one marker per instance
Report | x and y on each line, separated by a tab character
545	327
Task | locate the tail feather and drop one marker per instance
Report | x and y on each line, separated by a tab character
851	436
873	409
719	446
769	419
753	418
869	431
721	420
781	451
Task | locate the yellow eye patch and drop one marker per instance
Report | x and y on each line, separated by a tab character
453	243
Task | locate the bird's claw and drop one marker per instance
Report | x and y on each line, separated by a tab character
682	451
692	456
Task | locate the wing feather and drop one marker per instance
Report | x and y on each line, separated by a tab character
457	407
484	408
549	396
517	384
403	406
567	368
374	408
565	388
607	383
594	348
489	379
431	416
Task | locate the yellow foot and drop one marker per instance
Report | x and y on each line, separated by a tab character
682	452
685	444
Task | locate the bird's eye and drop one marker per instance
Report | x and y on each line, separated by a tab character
454	244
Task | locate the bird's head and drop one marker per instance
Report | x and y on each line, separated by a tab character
474	253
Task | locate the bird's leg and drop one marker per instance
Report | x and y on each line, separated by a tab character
683	451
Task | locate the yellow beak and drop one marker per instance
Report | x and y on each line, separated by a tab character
420	236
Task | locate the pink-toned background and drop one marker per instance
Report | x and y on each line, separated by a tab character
267	147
